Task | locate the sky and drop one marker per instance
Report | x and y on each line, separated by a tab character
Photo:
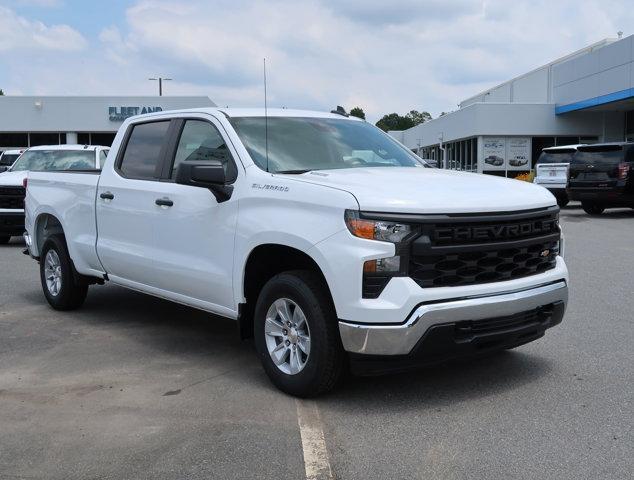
384	56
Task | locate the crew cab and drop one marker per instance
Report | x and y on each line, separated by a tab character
8	158
326	240
551	171
601	176
42	158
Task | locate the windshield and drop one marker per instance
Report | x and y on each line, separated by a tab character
296	145
8	158
39	160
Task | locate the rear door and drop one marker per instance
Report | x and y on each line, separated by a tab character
126	208
596	166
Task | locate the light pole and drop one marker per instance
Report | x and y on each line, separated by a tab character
160	81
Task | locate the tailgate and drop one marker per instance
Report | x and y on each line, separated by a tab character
596	166
551	173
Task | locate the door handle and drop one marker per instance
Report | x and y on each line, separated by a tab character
106	196
164	202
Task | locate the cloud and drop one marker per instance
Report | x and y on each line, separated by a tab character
381	12
382	56
19	33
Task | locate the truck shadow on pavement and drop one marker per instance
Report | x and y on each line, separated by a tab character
209	343
444	384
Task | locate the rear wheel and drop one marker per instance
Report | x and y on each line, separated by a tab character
4	239
592	208
60	283
296	334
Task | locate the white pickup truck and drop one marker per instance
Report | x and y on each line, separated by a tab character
41	158
328	241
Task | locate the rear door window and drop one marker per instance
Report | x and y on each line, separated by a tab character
142	156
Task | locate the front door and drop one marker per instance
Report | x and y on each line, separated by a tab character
195	233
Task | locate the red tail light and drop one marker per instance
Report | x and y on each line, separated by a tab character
24	182
624	169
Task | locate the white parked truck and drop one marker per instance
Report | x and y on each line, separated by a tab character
551	170
41	158
328	241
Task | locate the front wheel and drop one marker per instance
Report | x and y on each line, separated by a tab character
592	208
297	335
59	282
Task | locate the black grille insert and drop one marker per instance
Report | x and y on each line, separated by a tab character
12	197
466	250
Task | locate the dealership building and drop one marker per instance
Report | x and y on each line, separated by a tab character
584	97
28	121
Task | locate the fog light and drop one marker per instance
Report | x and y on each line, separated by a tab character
381	265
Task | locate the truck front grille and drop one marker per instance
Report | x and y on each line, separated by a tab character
12	197
472	249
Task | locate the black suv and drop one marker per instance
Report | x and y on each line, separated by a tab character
601	176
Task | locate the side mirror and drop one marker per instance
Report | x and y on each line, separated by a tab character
209	174
3	168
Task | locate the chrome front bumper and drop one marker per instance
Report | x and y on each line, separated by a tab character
400	339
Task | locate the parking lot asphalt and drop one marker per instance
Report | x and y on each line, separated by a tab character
131	386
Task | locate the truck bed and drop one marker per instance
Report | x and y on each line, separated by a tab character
70	196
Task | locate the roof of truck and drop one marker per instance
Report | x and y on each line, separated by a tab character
253	112
67	147
563	147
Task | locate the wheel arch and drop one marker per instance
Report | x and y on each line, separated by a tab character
45	225
262	263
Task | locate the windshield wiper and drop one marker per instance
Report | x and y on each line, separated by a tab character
294	172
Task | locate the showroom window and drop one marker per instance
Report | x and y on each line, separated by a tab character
14	139
96	138
37	139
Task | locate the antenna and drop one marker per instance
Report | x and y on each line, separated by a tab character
266	121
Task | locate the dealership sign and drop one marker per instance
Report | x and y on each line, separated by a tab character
119	114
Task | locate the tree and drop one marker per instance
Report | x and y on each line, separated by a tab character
358	112
394	121
1	93
419	117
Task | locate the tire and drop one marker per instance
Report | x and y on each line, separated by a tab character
592	208
318	371
562	201
4	239
65	292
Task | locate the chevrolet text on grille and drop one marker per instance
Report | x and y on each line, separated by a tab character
488	232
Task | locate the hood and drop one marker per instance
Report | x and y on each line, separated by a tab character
13	179
430	190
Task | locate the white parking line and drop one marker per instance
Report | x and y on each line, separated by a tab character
313	443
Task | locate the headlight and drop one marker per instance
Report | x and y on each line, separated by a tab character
382	230
377	273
